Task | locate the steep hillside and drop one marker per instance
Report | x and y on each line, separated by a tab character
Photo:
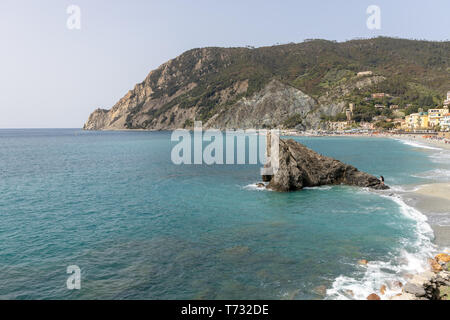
293	85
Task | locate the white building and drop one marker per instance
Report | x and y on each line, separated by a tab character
364	73
447	102
445	122
435	116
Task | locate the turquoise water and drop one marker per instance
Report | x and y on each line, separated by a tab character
141	227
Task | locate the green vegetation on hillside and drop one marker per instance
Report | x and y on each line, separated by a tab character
416	72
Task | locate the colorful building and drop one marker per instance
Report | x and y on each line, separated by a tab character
378	95
417	121
445	122
435	116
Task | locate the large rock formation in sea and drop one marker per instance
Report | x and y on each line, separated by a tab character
300	86
300	167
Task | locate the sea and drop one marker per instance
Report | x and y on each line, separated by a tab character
138	226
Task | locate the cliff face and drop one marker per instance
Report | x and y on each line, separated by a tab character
300	167
275	104
286	86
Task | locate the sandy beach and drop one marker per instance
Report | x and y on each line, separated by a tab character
432	142
441	191
431	199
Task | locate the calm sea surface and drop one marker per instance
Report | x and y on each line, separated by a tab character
139	226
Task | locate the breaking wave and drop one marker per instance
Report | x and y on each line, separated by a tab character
378	273
418	145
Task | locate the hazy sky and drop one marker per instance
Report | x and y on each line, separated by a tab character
51	76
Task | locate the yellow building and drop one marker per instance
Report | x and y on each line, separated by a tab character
417	121
411	121
435	116
424	121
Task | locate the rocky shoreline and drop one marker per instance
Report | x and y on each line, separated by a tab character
301	167
429	285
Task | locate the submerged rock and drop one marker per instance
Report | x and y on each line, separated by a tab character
383	289
349	293
320	290
363	262
300	167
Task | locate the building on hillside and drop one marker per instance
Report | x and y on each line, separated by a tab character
349	112
404	125
379	118
380	106
399	122
447	102
349	115
337	125
435	116
364	73
394	107
424	121
378	95
417	121
445	122
367	125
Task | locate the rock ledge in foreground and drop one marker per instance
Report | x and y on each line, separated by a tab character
300	167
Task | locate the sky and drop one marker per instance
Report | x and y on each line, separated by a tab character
52	76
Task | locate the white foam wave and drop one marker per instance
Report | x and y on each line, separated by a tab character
402	189
321	188
379	273
254	187
442	220
436	174
418	145
441	157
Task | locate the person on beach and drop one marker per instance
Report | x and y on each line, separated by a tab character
382	180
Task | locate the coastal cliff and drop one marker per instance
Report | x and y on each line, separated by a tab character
300	167
297	86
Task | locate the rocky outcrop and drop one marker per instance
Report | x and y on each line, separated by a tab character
429	285
300	167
